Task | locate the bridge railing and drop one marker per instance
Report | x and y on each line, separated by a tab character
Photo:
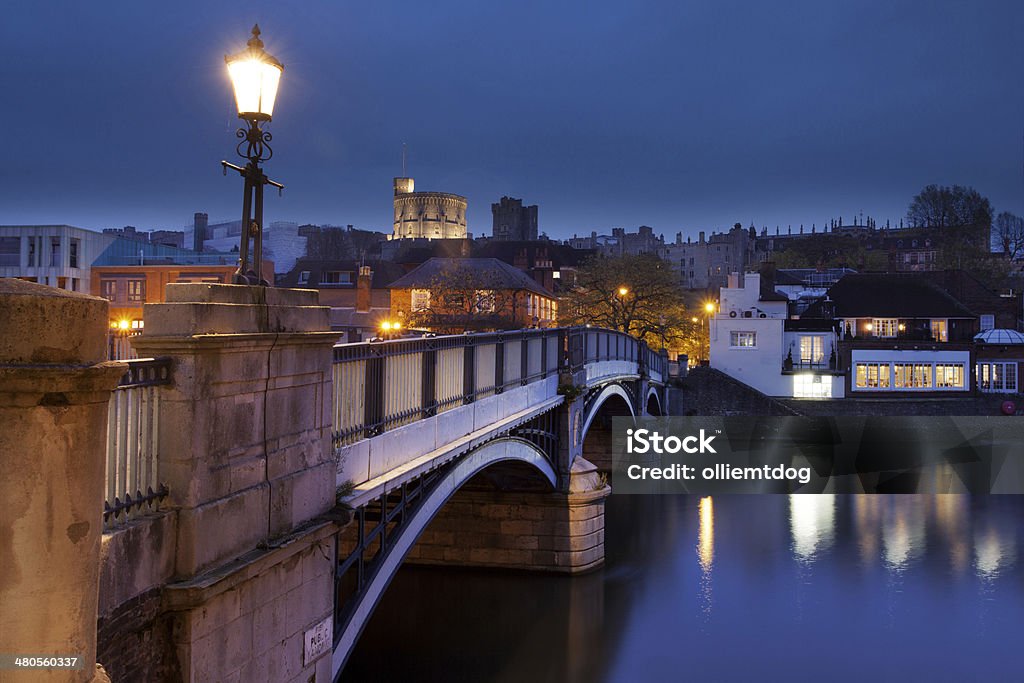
133	423
383	385
379	386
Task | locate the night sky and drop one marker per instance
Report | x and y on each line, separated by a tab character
681	115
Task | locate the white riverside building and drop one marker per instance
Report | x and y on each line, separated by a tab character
873	335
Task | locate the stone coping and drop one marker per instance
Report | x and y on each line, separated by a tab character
216	293
197	591
240	341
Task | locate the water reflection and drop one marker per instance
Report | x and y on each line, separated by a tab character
903	531
915	587
812	520
706	551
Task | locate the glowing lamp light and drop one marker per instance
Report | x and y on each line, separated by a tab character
709	307
255	75
869	327
623	291
396	325
123	325
693	320
902	327
386	325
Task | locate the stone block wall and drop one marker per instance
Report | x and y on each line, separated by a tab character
134	641
551	532
248	623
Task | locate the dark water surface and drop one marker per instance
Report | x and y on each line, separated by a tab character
741	588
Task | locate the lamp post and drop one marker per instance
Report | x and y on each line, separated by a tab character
255	75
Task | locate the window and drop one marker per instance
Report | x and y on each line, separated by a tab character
940	330
10	251
336	277
949	375
108	289
812	350
483	301
304	277
743	340
885	327
988	322
420	300
32	258
54	252
912	375
997	377
73	253
872	376
136	290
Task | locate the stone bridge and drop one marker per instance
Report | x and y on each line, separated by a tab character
243	498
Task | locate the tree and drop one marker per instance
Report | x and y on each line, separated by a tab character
1010	234
963	222
639	295
938	206
462	298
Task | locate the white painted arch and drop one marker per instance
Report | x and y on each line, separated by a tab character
657	397
500	450
606	393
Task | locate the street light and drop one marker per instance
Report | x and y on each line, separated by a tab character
623	291
709	307
255	76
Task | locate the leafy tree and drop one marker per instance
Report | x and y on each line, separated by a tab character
639	295
1010	234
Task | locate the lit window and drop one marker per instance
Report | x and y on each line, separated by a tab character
885	327
420	300
949	375
940	330
108	289
743	340
997	377
136	290
812	350
483	301
912	376
872	376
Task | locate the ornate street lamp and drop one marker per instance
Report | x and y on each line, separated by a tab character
255	75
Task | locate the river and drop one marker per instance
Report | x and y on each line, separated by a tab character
735	588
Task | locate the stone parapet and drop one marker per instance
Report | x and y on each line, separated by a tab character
54	388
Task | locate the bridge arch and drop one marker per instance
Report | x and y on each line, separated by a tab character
506	449
612	401
653	403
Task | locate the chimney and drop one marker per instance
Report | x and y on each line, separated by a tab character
199	222
701	237
767	278
363	286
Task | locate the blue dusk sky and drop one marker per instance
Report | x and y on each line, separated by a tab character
680	115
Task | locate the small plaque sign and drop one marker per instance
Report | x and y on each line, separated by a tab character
318	640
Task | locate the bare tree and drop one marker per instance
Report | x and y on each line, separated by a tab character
1010	234
461	298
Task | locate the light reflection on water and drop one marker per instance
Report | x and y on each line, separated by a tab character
805	587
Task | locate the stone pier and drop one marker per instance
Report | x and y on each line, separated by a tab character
481	526
245	451
54	388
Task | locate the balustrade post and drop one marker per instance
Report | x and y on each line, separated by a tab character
429	382
499	365
469	372
373	413
524	355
